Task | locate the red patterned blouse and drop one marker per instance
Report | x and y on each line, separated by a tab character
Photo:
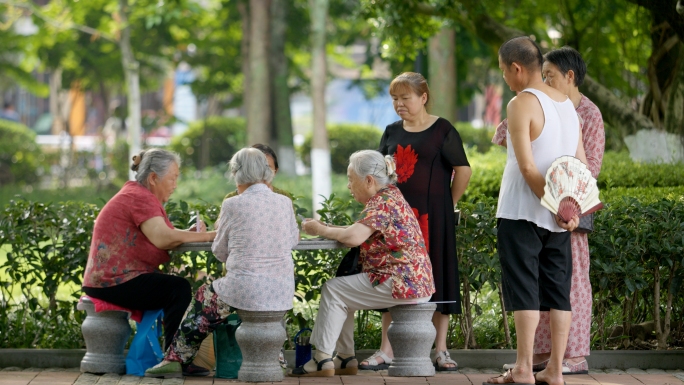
396	250
119	251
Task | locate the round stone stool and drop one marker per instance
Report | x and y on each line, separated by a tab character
412	334
105	334
260	337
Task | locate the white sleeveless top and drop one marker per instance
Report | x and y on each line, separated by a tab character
559	137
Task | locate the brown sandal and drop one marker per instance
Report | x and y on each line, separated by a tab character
506	378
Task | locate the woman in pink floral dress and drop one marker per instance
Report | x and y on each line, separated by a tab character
564	70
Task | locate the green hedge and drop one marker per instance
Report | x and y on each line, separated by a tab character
618	171
225	137
477	138
20	156
637	251
344	140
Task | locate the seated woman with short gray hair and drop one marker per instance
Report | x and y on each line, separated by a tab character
395	270
257	232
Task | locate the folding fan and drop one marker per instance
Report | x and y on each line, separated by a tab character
570	189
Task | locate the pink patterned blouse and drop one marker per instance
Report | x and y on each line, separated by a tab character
396	250
593	134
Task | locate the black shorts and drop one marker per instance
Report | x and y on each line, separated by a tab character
536	266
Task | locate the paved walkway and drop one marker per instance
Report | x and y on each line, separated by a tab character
466	376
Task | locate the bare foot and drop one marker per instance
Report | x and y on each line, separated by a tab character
545	376
509	378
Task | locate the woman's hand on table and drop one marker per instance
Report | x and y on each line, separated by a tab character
312	226
202	227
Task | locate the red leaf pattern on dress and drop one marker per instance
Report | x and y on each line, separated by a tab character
423	223
406	159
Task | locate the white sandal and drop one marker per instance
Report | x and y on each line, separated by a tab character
373	362
442	359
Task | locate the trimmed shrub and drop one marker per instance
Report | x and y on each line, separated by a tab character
619	170
19	153
225	136
487	172
479	138
345	139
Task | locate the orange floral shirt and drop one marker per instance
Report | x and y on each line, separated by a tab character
396	250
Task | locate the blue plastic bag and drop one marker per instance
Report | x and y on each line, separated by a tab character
145	351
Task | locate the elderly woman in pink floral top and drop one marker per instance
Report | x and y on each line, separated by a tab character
395	265
255	237
564	70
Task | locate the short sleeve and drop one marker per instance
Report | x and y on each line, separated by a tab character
143	207
452	149
383	148
376	214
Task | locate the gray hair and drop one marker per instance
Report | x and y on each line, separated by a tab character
249	166
371	162
153	160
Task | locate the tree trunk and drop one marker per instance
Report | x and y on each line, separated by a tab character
131	71
442	74
507	328
320	153
282	119
674	115
656	306
259	104
243	9
55	101
665	333
467	320
212	109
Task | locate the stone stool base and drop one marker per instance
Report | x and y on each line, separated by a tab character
105	334
412	334
260	337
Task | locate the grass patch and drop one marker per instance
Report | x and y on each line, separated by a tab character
87	194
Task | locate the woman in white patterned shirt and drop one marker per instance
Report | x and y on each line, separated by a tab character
257	232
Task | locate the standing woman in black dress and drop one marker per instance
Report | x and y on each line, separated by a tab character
427	150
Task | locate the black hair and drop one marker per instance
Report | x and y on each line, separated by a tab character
522	50
566	59
267	151
7	105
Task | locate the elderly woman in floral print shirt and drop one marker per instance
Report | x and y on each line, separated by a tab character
395	265
257	232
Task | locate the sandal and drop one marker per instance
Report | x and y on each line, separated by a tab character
343	370
373	362
320	372
578	368
506	378
441	360
535	367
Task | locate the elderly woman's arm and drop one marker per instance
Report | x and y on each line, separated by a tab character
165	238
353	235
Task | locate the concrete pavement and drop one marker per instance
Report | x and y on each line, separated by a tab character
466	376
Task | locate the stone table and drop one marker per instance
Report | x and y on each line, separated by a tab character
304	244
